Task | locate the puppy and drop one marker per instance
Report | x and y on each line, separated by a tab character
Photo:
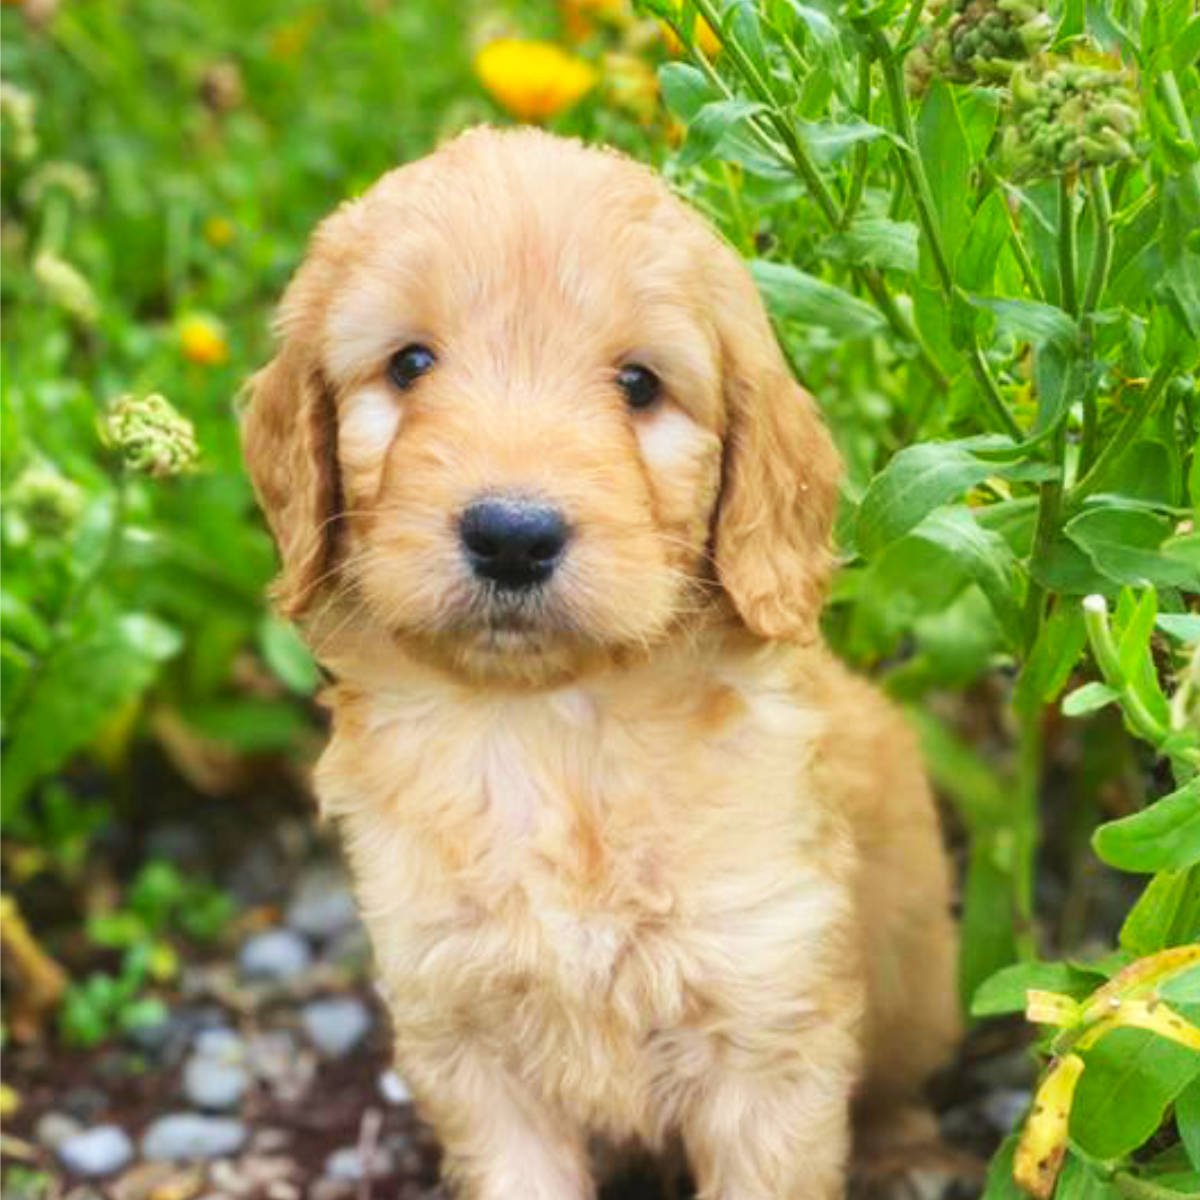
641	862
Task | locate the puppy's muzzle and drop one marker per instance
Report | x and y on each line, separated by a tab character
513	544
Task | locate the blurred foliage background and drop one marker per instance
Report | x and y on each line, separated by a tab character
974	222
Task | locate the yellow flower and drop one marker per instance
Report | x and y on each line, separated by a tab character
219	232
203	341
533	80
580	17
702	33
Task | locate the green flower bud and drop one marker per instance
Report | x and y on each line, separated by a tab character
1069	117
49	502
150	434
66	287
66	177
18	111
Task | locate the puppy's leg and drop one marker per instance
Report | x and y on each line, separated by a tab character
501	1142
766	1127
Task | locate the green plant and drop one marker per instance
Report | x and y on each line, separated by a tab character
974	224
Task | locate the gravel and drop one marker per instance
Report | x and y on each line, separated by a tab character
101	1150
323	905
278	955
336	1025
192	1137
347	1164
54	1128
393	1089
212	1084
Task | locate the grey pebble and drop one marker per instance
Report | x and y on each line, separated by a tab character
279	955
347	1164
54	1128
323	905
192	1137
393	1089
210	1083
97	1151
220	1043
336	1025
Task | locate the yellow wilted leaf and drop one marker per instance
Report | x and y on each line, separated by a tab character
1139	978
1051	1008
533	80
1152	1015
1043	1143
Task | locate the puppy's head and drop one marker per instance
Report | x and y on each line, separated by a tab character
528	411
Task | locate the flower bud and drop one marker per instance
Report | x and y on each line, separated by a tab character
151	436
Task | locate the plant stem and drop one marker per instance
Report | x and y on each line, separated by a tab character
911	22
1050	495
922	197
858	177
1021	253
1025	827
1066	244
1094	293
870	278
1172	98
1102	252
1140	410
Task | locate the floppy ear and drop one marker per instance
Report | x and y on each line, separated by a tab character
779	477
289	438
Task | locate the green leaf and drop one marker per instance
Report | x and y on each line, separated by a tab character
1079	1181
1005	991
828	141
1130	1078
285	653
1057	649
1183	988
794	295
1087	699
946	154
1123	543
1187	1117
986	556
711	127
1162	837
988	941
917	480
1167	913
249	726
1183	627
79	690
1030	320
876	242
685	89
1133	646
1000	1184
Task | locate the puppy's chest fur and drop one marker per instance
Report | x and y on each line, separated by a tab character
568	876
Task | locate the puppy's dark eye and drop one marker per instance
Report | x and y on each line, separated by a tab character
408	365
640	385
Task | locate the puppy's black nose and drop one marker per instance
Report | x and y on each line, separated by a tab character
514	543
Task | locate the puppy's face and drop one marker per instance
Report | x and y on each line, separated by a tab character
528	412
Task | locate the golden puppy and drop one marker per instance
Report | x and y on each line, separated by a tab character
639	859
